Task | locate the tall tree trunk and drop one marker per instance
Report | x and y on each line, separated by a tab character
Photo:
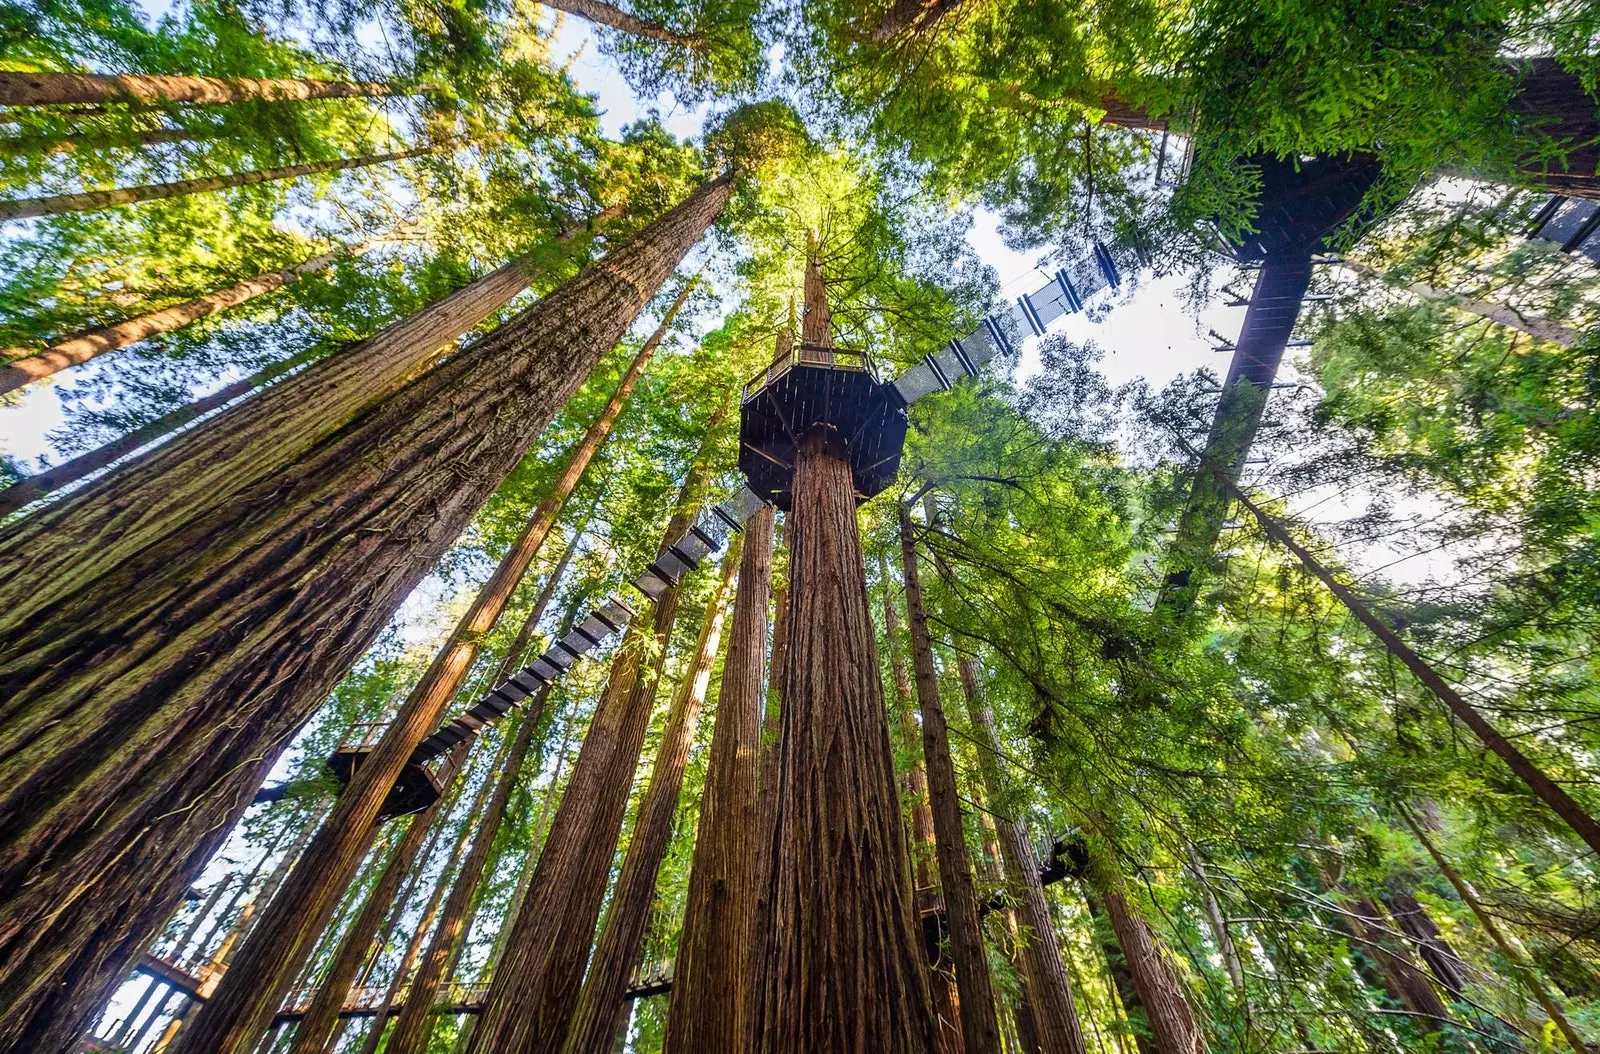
156	656
1401	978
302	910
601	1004
844	967
709	1012
924	845
1553	104
54	89
980	1029
1434	951
360	375
1161	994
536	983
767	764
1217	922
1544	788
1055	1014
1521	964
26	366
354	947
613	17
56	204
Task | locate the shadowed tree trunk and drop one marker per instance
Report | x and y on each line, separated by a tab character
1161	995
536	984
1398	975
1441	959
613	17
980	1029
595	1019
26	366
1504	314
52	89
1055	1015
839	869
924	846
156	655
709	1012
1117	971
366	371
301	911
1543	787
56	204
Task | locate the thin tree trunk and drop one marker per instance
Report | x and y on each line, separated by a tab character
844	967
156	656
709	1011
55	89
980	1029
1554	332
1161	995
600	1004
1055	1014
613	17
1217	922
56	204
1521	964
354	948
302	911
26	366
1543	787
93	143
356	377
536	983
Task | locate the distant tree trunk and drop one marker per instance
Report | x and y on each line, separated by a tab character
1161	994
767	778
839	867
90	143
709	1012
1441	959
25	366
154	656
364	372
600	1004
54	89
1218	924
302	911
924	846
1522	965
613	17
980	1029
1055	1014
1504	314
1543	787
535	986
311	1036
1400	976
56	204
1117	970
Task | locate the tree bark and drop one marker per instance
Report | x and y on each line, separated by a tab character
1515	954
1401	978
767	778
1434	951
56	204
296	916
709	1012
315	404
980	1029
600	1004
1055	1014
613	17
1117	970
25	366
55	89
1161	995
1554	332
157	654
844	968
1543	787
532	995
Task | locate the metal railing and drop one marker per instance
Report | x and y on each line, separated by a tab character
811	355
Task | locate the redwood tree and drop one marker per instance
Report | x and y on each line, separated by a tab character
19	88
157	651
709	1013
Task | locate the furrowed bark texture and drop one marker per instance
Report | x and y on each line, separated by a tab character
767	775
261	436
25	367
540	973
1544	788
157	654
56	204
980	1029
1117	969
843	965
709	1012
600	1005
613	17
48	89
1161	995
293	919
1054	1013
